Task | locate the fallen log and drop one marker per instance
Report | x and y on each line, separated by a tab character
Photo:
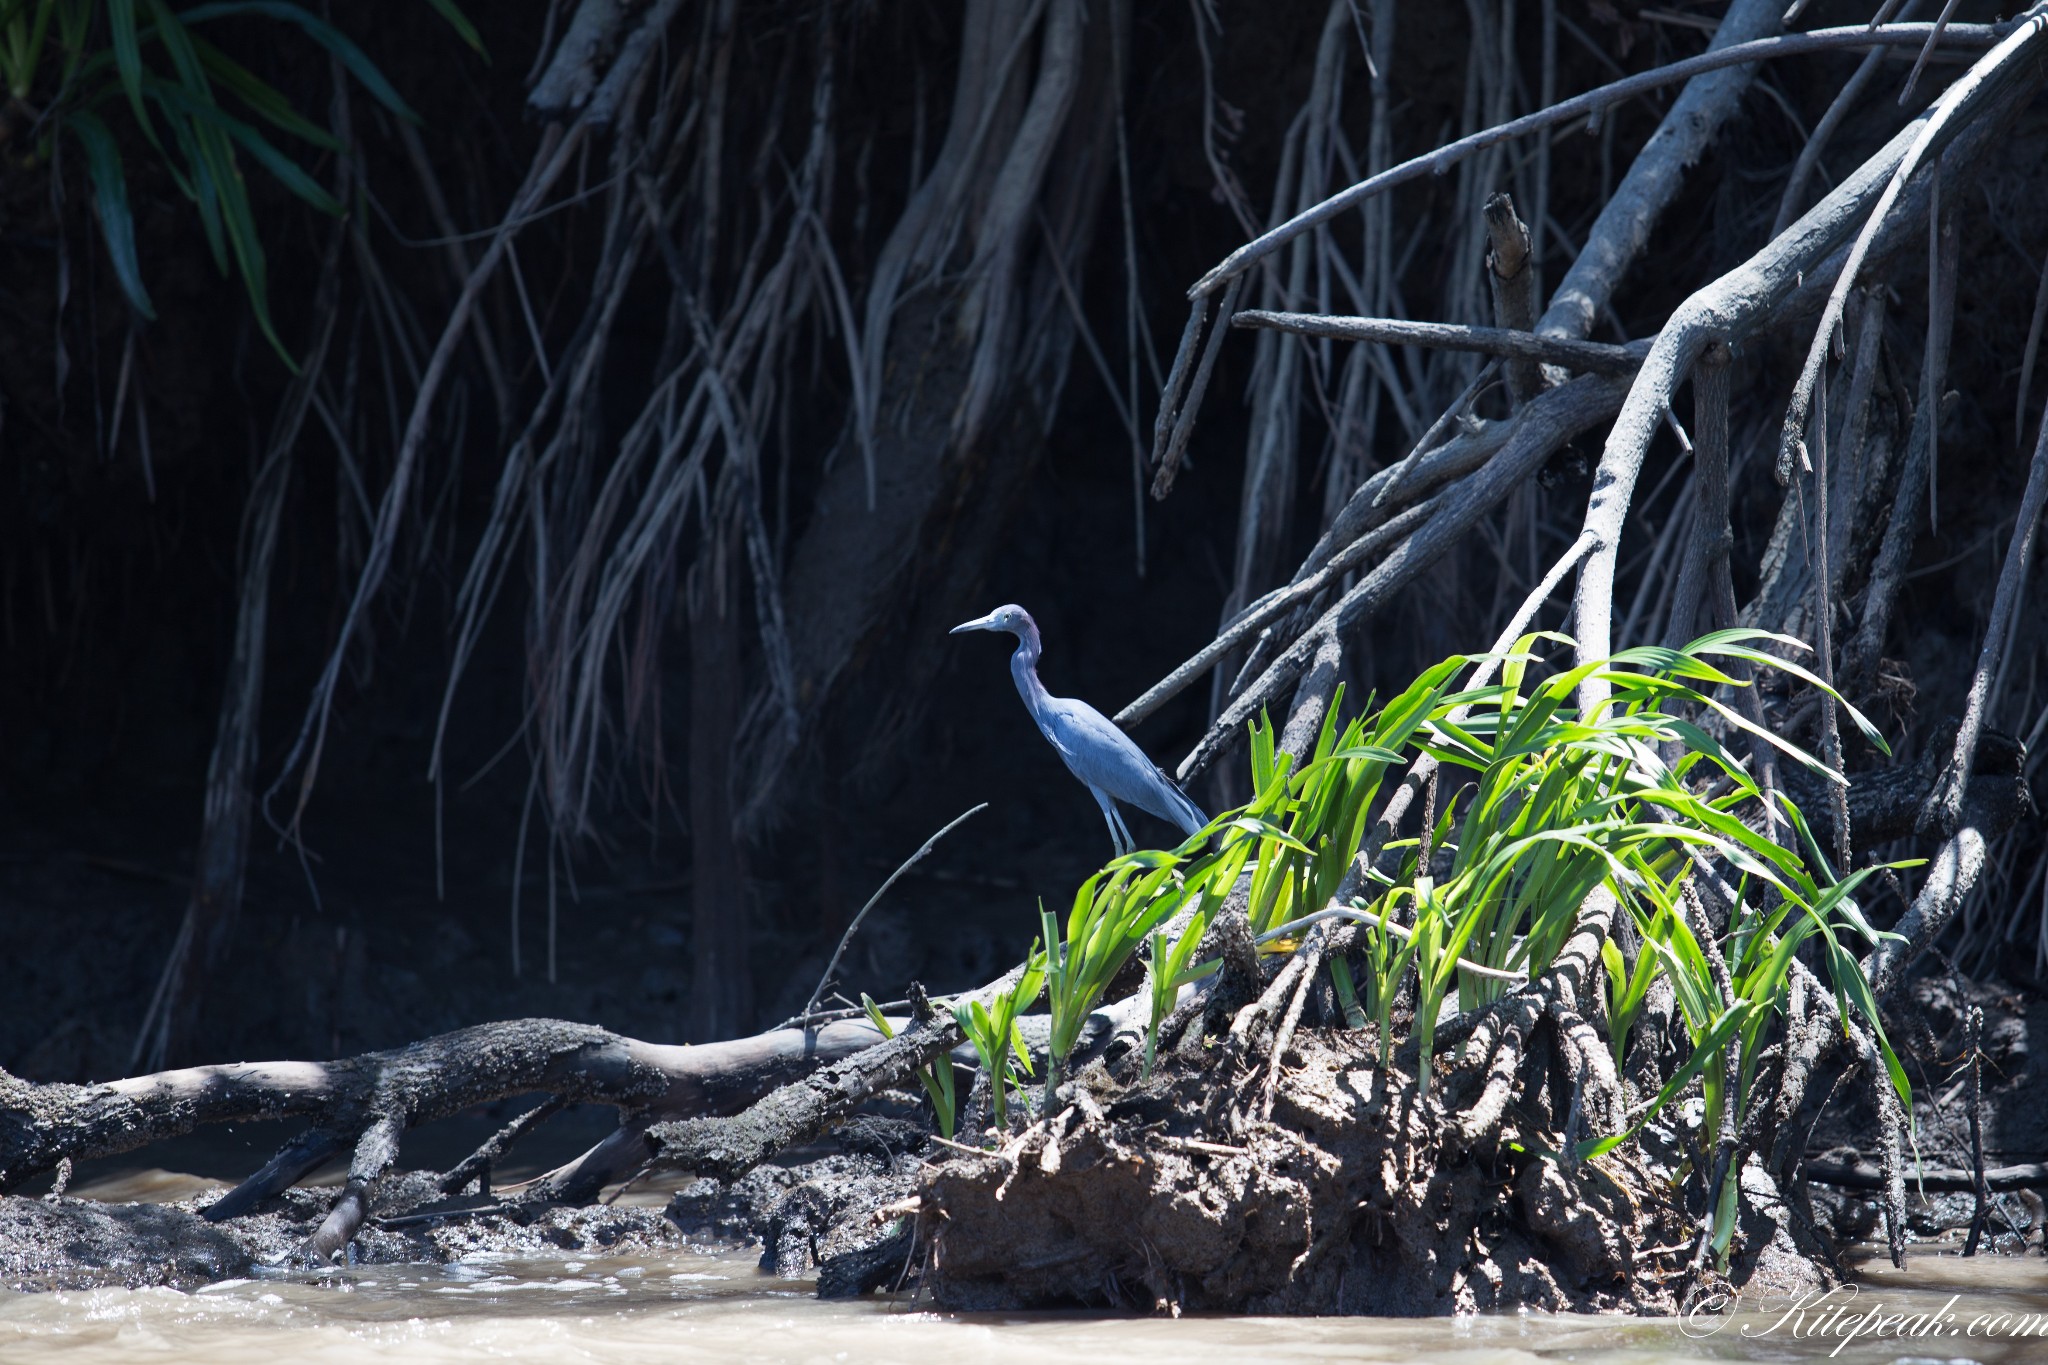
1861	1175
367	1102
716	1109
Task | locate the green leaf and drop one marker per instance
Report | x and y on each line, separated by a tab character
1763	660
1347	992
1707	1049
263	98
240	224
110	199
1724	1216
459	21
286	171
1149	858
127	44
170	31
1262	752
196	180
939	1083
333	39
1772	738
1020	1055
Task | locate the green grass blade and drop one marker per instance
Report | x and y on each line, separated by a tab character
1811	679
281	167
126	39
1707	1049
169	29
264	100
459	21
110	200
333	39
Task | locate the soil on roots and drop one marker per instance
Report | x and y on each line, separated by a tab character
1356	1195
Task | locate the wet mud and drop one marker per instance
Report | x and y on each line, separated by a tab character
1353	1197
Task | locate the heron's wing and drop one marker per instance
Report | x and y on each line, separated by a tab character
1103	756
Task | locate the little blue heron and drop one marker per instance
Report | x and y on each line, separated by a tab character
1109	764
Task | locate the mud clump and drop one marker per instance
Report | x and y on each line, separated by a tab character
1350	1195
83	1244
48	1244
835	1218
1087	1219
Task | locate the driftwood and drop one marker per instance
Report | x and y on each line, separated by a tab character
1935	1179
364	1104
1592	356
714	1109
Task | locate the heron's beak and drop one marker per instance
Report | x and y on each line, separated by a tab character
987	622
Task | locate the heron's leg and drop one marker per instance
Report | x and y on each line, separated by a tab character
1130	844
1119	837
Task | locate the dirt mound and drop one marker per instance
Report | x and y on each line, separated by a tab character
1351	1196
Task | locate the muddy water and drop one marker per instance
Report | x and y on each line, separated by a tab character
693	1306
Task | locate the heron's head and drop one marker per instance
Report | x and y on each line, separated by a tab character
1010	617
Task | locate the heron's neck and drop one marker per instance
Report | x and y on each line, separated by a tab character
1024	669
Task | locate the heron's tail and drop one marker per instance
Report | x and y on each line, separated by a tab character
1186	813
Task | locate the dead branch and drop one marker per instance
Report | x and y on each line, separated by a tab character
1580	107
1594	357
1887	575
1622	232
1934	1179
601	55
2014	62
1944	807
729	1147
1950	876
1272	607
1794	195
1742	299
557	153
1539	429
41	1125
1513	283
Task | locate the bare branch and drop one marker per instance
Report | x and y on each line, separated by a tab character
1595	357
1729	308
1944	807
1539	430
1578	107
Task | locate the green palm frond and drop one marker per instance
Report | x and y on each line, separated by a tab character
99	63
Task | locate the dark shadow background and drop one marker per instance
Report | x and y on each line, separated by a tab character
117	584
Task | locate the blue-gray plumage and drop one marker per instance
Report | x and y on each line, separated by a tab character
1107	761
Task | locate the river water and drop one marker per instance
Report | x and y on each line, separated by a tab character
706	1305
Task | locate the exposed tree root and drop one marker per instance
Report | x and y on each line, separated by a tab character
1353	1197
1286	1170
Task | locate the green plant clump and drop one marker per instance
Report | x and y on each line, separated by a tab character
72	64
937	1079
1550	806
993	1031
